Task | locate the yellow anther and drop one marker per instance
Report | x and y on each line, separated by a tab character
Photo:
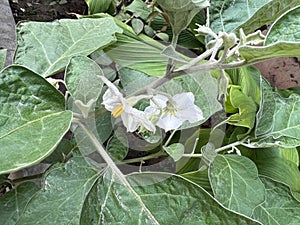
117	111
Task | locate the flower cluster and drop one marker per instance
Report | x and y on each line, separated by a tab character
164	111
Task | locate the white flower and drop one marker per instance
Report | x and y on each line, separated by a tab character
171	113
132	118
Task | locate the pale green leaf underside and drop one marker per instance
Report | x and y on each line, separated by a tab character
110	203
2	57
228	15
13	203
235	183
47	47
32	118
254	54
286	28
61	199
279	208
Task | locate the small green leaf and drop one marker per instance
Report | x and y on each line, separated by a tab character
176	151
13	203
235	183
279	206
181	12
83	80
137	25
117	148
46	47
3	53
31	109
62	197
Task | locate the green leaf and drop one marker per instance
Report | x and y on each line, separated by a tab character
286	28
96	6
63	149
3	53
13	203
286	128
31	109
254	54
235	183
273	164
116	147
137	25
279	207
62	197
46	47
139	9
252	14
181	12
83	80
111	203
264	116
175	150
133	80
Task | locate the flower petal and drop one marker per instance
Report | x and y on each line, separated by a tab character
169	122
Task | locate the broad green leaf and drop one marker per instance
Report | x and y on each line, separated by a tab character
252	14
205	90
235	183
62	197
110	203
46	47
2	58
82	77
286	28
264	116
13	203
31	109
175	150
254	54
139	8
279	208
181	12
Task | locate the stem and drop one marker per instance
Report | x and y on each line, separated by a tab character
192	155
144	158
114	168
22	179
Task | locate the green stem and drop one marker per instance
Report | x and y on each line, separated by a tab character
115	169
144	158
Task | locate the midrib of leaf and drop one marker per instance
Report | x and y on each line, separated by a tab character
31	122
116	170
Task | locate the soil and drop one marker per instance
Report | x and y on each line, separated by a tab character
46	10
281	73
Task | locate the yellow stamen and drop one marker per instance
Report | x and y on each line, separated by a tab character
117	111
